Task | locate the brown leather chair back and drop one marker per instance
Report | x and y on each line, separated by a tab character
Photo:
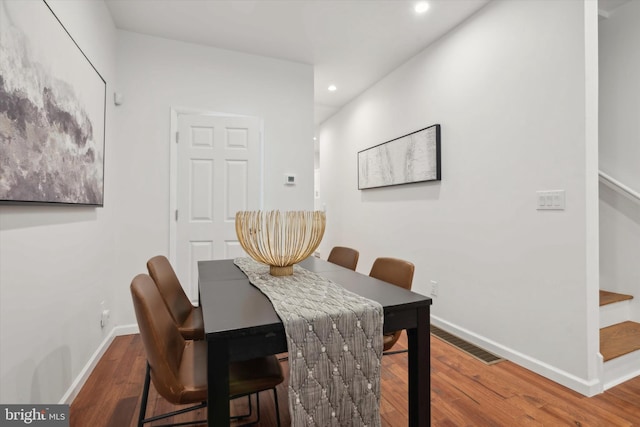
346	257
398	272
170	288
395	271
162	341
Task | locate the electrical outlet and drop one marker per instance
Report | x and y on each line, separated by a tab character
104	315
434	288
104	318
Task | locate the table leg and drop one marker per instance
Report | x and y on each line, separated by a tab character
218	383
420	371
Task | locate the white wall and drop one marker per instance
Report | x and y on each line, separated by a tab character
511	93
156	74
619	99
620	151
56	263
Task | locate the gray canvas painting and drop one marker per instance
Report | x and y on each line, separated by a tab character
52	104
410	158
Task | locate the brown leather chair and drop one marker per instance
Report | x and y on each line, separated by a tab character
346	257
397	272
178	367
187	317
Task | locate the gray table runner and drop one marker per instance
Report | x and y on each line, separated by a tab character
334	339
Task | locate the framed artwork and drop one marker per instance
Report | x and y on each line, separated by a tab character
410	158
52	113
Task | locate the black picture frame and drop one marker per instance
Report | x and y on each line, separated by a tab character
408	159
53	114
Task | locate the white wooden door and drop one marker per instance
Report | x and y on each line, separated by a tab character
218	174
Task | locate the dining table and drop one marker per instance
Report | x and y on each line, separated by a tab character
240	323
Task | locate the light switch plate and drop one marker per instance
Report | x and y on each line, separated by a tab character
550	200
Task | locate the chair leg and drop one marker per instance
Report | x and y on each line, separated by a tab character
145	396
275	399
277	407
250	423
258	407
389	353
241	416
178	412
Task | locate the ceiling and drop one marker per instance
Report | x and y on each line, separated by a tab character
350	43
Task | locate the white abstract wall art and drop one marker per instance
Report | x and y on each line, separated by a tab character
52	111
410	158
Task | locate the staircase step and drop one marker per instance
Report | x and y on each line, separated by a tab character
620	339
615	313
607	297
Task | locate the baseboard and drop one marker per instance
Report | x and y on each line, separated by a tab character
580	385
78	383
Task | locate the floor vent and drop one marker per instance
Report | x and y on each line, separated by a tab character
473	350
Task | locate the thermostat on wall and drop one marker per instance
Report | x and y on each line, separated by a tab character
289	179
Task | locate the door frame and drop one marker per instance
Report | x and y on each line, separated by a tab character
173	168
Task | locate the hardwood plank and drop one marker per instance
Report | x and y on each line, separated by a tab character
607	297
626	409
115	369
619	339
125	410
465	392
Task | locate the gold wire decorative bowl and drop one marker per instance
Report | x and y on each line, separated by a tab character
280	239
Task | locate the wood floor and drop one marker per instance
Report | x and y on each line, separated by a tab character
464	392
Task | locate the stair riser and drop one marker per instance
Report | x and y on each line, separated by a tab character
621	369
611	314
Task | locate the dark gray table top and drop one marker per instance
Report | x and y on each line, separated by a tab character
232	306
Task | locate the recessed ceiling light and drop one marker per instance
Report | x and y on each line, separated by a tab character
332	88
421	7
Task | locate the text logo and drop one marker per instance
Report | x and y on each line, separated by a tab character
34	415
